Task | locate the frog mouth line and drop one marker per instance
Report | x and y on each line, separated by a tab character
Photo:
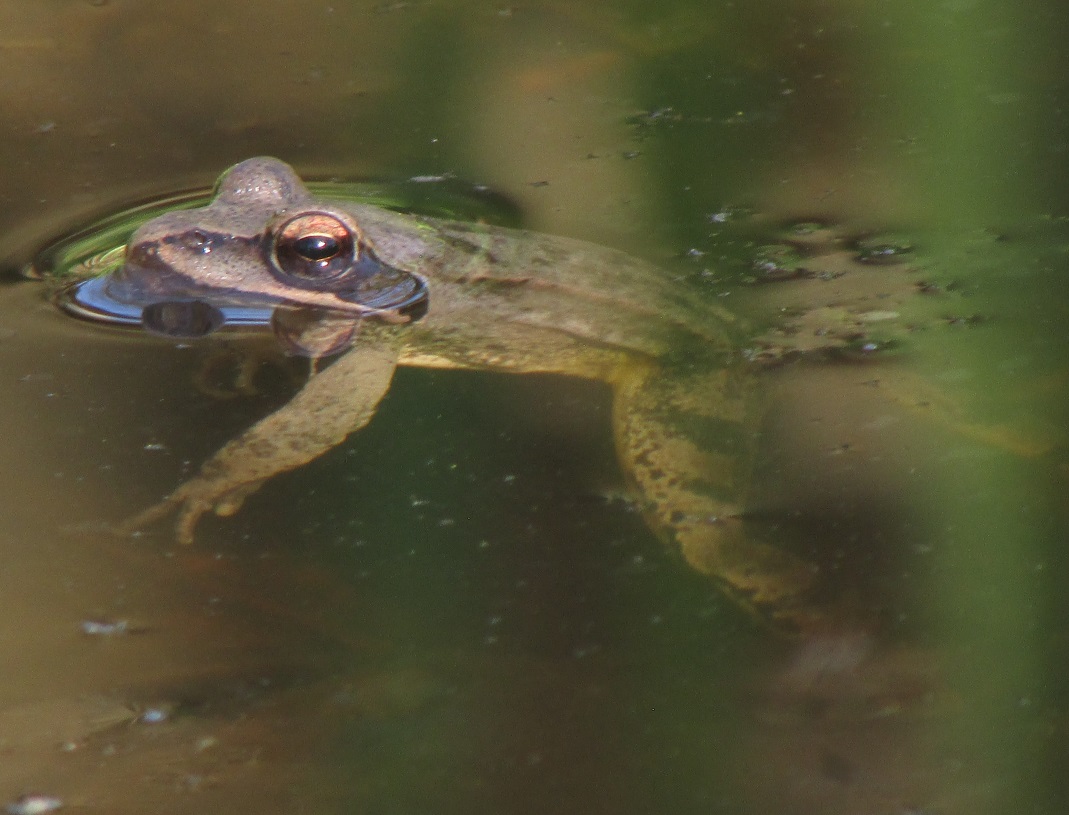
191	317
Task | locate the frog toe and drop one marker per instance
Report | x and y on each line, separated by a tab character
136	524
230	502
198	498
188	517
188	502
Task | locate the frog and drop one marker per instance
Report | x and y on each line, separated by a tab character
362	289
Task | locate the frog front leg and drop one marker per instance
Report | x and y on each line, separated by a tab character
333	403
688	441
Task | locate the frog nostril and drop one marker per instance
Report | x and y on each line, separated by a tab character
199	241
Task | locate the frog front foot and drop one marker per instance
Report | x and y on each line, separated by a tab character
189	503
336	401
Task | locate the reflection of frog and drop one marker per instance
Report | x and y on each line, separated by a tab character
433	293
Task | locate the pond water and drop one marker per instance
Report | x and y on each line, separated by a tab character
460	609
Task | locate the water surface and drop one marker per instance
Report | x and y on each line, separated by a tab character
458	610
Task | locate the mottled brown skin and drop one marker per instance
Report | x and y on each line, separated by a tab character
510	301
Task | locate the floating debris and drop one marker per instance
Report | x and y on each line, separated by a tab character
431	179
776	262
33	805
877	252
155	715
103	627
805	229
966	320
728	213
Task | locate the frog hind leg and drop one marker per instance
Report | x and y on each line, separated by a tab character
687	440
334	402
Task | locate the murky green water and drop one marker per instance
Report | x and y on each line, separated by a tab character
447	613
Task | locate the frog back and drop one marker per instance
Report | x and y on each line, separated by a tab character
481	274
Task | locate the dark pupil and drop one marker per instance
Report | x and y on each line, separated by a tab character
316	247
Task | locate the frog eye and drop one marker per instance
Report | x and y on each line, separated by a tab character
314	246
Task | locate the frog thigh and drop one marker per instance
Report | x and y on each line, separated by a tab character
332	404
688	440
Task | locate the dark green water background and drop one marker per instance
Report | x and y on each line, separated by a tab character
447	614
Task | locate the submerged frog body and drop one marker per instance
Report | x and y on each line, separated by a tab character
378	289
